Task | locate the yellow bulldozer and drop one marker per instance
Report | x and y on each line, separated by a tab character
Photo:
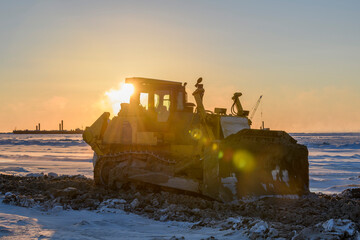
161	138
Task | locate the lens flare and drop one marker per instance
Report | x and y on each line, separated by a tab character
205	141
215	146
196	134
243	160
118	96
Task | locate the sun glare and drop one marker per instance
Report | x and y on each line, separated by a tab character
118	96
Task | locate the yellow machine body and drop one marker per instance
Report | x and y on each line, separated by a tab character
160	138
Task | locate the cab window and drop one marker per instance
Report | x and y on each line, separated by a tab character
144	100
162	103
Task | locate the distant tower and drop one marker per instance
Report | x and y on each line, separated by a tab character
59	126
39	127
62	125
36	127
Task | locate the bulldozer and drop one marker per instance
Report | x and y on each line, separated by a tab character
160	138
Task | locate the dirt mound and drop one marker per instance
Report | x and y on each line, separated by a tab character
272	217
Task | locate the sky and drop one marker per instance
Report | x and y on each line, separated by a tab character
59	58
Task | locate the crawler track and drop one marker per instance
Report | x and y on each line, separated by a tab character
113	170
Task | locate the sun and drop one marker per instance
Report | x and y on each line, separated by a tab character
118	96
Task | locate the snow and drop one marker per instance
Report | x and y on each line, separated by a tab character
275	173
334	160
260	227
13	169
31	223
34	175
43	153
340	226
52	174
230	183
285	176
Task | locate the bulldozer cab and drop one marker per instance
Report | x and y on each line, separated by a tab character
155	107
158	97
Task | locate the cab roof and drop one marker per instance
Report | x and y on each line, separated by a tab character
152	83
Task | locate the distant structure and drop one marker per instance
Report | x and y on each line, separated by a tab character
39	131
61	126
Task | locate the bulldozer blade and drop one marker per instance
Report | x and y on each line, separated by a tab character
255	163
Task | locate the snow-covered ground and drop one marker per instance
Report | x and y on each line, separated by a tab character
31	223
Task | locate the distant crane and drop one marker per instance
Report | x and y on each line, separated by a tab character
253	111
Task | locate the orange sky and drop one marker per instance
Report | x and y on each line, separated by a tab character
57	59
